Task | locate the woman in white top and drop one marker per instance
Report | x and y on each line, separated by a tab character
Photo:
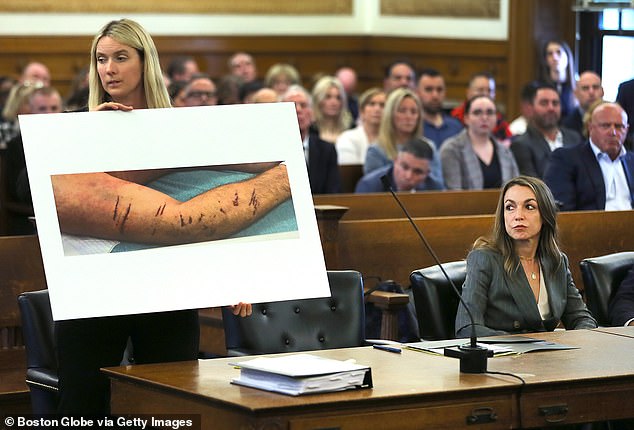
352	145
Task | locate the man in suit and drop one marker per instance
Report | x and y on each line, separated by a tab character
321	156
409	172
597	174
543	135
621	308
587	91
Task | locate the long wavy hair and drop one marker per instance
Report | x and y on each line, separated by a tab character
500	241
387	131
130	33
319	94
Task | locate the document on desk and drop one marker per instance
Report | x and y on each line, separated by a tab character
302	374
500	345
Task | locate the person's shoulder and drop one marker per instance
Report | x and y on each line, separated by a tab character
371	182
457	140
451	121
570	133
482	255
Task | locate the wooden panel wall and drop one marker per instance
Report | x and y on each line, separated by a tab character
513	62
311	55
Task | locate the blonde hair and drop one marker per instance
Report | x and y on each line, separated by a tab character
320	90
387	131
130	33
18	96
281	69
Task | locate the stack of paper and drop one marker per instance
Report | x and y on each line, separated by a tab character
302	374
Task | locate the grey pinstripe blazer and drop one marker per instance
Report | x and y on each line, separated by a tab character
503	304
461	167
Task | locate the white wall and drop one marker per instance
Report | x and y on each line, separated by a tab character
365	20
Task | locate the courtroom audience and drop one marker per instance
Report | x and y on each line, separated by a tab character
35	72
621	306
200	91
41	100
532	149
519	124
402	121
437	125
348	78
558	69
321	156
182	68
587	91
248	90
518	280
229	90
399	74
243	65
281	76
352	145
176	91
596	174
6	83
17	104
409	172
265	95
483	84
78	94
331	109
474	159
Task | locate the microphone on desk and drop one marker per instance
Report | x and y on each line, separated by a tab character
473	358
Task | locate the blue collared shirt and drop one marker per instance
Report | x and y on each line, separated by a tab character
617	190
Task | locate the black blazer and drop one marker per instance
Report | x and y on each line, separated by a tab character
532	152
621	308
323	170
575	179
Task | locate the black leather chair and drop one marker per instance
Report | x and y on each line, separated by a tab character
435	301
601	277
301	325
38	332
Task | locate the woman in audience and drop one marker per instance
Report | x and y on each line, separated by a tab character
331	109
352	145
558	69
473	159
280	76
518	280
17	104
125	74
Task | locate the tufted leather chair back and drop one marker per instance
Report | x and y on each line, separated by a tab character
436	302
601	278
302	325
38	332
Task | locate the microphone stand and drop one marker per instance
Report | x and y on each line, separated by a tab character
473	358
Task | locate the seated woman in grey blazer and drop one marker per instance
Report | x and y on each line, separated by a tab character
518	280
473	159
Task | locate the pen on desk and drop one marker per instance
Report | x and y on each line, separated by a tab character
388	348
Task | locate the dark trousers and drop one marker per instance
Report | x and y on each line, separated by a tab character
86	345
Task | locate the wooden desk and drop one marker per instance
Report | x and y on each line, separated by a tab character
411	390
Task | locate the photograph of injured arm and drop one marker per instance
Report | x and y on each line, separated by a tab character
172	206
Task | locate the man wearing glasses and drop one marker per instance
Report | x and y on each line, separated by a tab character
597	174
200	91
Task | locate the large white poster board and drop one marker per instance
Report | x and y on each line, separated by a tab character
277	257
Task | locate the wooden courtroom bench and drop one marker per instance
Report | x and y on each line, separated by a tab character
21	270
423	204
390	248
